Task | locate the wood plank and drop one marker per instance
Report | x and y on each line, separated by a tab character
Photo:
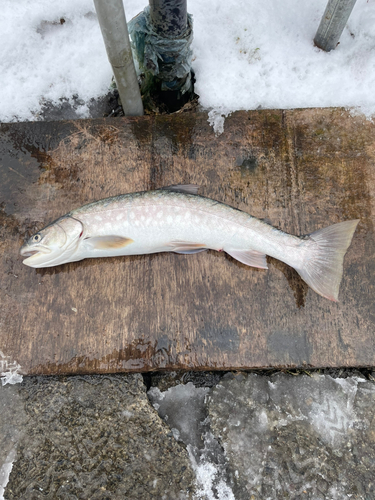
301	169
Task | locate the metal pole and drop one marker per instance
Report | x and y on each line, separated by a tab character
111	16
333	23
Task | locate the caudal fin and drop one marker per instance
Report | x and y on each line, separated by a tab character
323	268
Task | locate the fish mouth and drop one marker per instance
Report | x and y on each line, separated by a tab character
36	259
29	252
33	254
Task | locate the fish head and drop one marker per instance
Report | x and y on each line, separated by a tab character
54	244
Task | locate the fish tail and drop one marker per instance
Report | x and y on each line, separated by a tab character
323	266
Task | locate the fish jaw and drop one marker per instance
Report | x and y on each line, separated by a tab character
39	259
35	254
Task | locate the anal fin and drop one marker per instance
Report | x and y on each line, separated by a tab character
251	258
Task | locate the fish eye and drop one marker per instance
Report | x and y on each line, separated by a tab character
36	238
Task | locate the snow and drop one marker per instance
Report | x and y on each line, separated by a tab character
9	370
44	60
261	54
208	476
246	55
5	471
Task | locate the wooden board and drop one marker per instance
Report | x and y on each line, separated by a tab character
301	169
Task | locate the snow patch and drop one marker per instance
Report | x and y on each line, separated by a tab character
5	471
9	370
208	479
261	55
250	55
216	119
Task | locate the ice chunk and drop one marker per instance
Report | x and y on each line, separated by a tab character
216	118
9	370
183	407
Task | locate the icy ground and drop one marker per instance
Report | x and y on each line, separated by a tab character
246	55
233	436
268	438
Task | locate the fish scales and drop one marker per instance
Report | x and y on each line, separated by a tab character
174	219
183	217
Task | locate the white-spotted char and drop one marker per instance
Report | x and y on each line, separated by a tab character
176	219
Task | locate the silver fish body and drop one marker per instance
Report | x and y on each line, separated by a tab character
174	219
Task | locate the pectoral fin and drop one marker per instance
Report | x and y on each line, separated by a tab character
186	247
249	257
108	242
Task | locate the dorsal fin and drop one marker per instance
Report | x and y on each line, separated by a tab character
182	188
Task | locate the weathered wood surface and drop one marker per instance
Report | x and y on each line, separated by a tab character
301	169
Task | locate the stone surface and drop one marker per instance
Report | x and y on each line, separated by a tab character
296	437
248	437
95	437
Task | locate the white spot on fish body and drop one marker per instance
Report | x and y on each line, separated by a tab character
143	217
132	215
159	214
169	219
97	217
120	216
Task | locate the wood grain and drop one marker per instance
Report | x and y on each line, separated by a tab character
300	169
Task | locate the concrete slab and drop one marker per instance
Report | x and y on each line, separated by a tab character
301	169
91	437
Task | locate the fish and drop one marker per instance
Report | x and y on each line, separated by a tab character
177	219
